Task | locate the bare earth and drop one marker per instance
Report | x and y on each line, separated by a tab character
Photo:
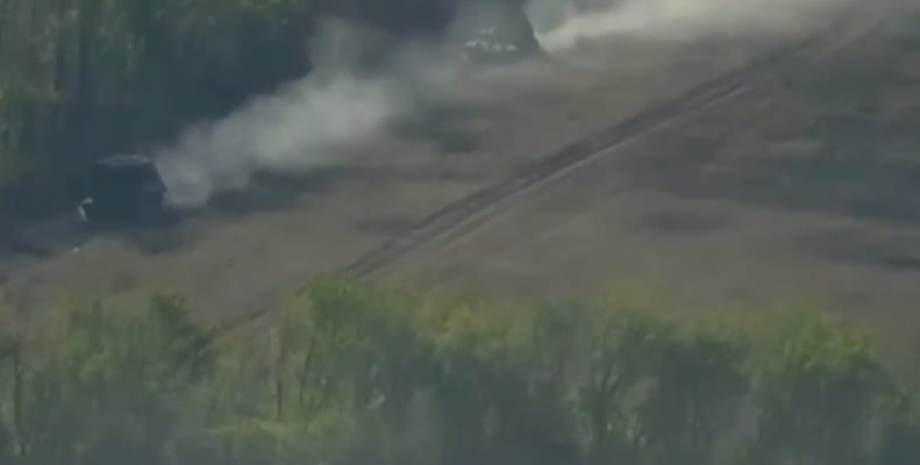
805	187
237	258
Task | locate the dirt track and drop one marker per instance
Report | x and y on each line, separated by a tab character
806	188
237	258
231	262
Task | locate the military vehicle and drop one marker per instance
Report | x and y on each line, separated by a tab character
124	188
495	32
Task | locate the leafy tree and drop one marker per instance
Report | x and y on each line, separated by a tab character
81	79
349	373
817	394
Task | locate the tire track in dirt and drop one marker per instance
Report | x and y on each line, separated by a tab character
459	217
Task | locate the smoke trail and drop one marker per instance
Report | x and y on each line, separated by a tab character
312	122
677	20
303	125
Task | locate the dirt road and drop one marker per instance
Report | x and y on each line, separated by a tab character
235	259
239	257
805	188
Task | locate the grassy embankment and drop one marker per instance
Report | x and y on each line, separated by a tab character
352	374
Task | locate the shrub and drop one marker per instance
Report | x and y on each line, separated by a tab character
354	374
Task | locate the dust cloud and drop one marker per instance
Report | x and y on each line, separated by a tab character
303	125
572	22
316	121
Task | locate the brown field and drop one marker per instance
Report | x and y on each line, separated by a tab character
803	186
242	255
808	188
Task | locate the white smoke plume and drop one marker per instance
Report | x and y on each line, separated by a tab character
313	122
298	128
303	125
572	22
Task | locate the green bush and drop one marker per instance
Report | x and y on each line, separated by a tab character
353	374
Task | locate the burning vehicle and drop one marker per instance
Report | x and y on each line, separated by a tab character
124	188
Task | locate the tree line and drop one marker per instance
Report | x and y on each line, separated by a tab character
349	374
82	79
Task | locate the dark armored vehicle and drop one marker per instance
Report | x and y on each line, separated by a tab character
124	188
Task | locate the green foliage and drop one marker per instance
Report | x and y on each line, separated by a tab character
81	79
96	381
354	374
817	394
